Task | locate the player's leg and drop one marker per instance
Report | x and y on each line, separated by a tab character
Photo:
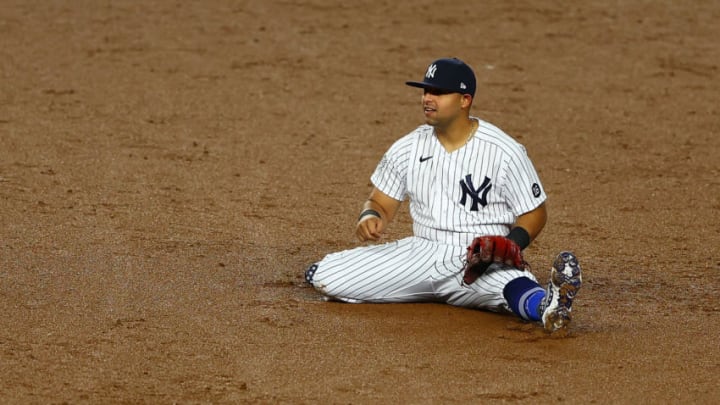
551	306
393	272
489	291
506	288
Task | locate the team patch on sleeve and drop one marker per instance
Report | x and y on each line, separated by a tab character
536	190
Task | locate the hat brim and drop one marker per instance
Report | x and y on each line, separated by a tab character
423	85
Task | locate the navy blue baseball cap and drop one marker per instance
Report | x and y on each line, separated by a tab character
449	74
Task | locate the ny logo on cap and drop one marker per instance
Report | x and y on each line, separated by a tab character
430	74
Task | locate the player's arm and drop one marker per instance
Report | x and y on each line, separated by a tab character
378	211
528	226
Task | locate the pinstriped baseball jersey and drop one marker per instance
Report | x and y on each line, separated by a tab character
476	190
479	189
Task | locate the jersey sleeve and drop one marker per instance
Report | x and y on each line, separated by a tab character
523	190
390	175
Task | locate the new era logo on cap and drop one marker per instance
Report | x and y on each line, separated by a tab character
449	74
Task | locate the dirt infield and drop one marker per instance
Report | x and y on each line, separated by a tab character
168	169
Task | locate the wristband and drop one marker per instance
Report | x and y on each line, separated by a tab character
520	236
369	212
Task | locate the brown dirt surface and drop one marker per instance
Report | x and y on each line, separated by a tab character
168	169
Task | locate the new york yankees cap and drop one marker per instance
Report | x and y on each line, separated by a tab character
449	74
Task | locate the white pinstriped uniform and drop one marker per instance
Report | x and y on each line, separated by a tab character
500	183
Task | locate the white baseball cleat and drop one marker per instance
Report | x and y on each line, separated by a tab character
565	281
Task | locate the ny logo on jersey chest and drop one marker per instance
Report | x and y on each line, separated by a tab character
478	195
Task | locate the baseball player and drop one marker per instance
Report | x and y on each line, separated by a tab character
476	202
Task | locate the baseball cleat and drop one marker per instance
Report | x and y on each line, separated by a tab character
565	281
310	272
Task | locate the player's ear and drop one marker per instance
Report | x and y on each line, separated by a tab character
466	101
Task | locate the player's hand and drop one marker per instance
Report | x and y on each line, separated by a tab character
369	228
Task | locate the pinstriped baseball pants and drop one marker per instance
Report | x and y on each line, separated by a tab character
410	270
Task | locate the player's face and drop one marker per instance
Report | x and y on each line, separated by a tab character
441	106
